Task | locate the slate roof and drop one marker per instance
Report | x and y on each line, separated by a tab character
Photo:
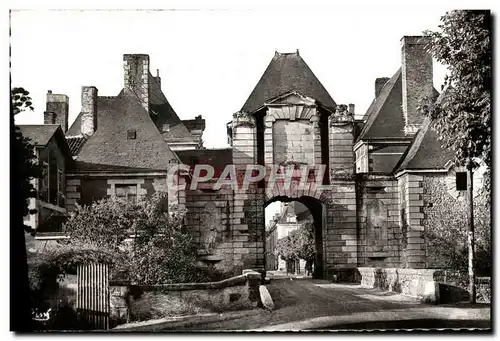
425	151
102	103
75	143
196	124
163	113
109	146
287	72
385	115
217	158
385	118
39	135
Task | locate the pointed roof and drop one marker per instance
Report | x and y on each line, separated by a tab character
384	117
385	114
425	151
163	113
109	145
287	72
41	134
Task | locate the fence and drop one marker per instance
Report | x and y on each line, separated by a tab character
92	301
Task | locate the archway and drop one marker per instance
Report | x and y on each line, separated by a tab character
317	211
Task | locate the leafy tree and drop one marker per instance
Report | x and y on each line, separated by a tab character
299	244
23	169
141	241
462	116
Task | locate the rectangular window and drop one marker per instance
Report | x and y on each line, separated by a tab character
60	189
53	182
461	181
131	134
128	192
43	192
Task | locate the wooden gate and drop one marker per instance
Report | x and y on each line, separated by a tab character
92	300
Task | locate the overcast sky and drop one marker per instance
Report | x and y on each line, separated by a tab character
210	61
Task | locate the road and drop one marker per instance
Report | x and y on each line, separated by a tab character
309	304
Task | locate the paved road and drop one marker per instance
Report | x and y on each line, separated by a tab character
309	304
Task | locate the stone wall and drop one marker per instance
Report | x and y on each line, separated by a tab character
85	190
445	211
430	285
240	292
293	141
378	218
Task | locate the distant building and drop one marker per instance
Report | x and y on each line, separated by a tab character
291	216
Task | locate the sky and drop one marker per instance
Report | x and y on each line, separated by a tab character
210	60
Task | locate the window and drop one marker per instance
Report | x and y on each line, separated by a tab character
128	192
60	189
43	193
166	128
131	134
461	181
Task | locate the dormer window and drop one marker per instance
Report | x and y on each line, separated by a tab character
166	128
131	134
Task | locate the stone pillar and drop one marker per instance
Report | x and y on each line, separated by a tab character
268	139
247	221
414	253
341	237
341	139
317	139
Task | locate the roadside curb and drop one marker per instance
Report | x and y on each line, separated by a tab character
181	321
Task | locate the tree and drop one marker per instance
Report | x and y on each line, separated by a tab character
23	169
462	114
299	244
142	242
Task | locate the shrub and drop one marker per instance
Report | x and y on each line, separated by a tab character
142	241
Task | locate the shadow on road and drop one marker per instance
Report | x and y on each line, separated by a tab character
423	324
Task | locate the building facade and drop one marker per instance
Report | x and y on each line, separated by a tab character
370	207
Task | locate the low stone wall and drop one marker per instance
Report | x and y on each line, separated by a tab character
240	292
431	285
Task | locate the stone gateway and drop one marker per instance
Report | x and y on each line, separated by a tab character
366	178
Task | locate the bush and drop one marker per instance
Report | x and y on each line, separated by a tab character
141	241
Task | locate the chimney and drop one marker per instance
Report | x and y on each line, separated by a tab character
379	84
57	110
89	110
417	79
136	77
351	109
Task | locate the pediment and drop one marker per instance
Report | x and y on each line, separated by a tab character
292	98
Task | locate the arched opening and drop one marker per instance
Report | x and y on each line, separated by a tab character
284	214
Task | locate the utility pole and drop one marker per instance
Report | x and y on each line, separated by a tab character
470	234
